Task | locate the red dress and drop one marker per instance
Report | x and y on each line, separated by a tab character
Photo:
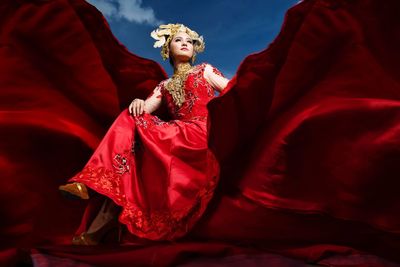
161	173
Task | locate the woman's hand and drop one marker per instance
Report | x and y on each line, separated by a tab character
152	102
136	107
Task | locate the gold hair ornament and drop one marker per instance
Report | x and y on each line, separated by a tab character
163	36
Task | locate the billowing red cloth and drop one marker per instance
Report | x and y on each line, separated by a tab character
306	134
316	117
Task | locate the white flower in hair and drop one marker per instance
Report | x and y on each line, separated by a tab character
159	35
160	39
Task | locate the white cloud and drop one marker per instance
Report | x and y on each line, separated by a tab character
130	10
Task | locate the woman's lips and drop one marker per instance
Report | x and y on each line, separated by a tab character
184	49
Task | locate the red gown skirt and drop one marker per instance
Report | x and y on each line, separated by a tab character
162	174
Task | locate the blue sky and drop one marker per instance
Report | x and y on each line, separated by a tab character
232	29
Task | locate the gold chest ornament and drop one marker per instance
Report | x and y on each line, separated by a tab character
176	85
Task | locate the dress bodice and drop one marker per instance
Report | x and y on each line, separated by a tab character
198	92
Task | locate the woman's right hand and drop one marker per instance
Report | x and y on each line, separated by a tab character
136	107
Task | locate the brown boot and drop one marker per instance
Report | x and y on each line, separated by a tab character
74	190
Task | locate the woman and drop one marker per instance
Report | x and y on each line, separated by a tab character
158	175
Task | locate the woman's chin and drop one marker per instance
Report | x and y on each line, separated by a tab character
182	58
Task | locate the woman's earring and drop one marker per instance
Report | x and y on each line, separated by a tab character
165	52
193	59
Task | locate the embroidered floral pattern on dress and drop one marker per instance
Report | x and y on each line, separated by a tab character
191	99
157	121
103	180
141	121
157	89
200	81
216	71
121	162
146	122
200	89
166	223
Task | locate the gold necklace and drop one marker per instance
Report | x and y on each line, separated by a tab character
177	83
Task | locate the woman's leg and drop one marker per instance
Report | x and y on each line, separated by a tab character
109	211
106	218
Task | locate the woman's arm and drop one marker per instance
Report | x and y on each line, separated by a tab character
152	103
217	81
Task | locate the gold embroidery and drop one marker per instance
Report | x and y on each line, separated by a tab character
177	83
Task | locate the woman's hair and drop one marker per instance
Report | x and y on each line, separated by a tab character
164	35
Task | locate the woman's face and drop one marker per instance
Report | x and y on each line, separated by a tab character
181	47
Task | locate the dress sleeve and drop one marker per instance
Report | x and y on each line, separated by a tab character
153	101
215	77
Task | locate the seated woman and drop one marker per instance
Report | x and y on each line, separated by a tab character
157	176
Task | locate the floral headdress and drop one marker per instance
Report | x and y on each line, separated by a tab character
164	35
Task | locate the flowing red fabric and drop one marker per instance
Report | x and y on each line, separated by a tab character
306	135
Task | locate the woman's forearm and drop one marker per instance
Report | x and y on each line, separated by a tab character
218	82
153	102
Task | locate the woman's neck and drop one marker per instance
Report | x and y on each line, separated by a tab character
182	67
